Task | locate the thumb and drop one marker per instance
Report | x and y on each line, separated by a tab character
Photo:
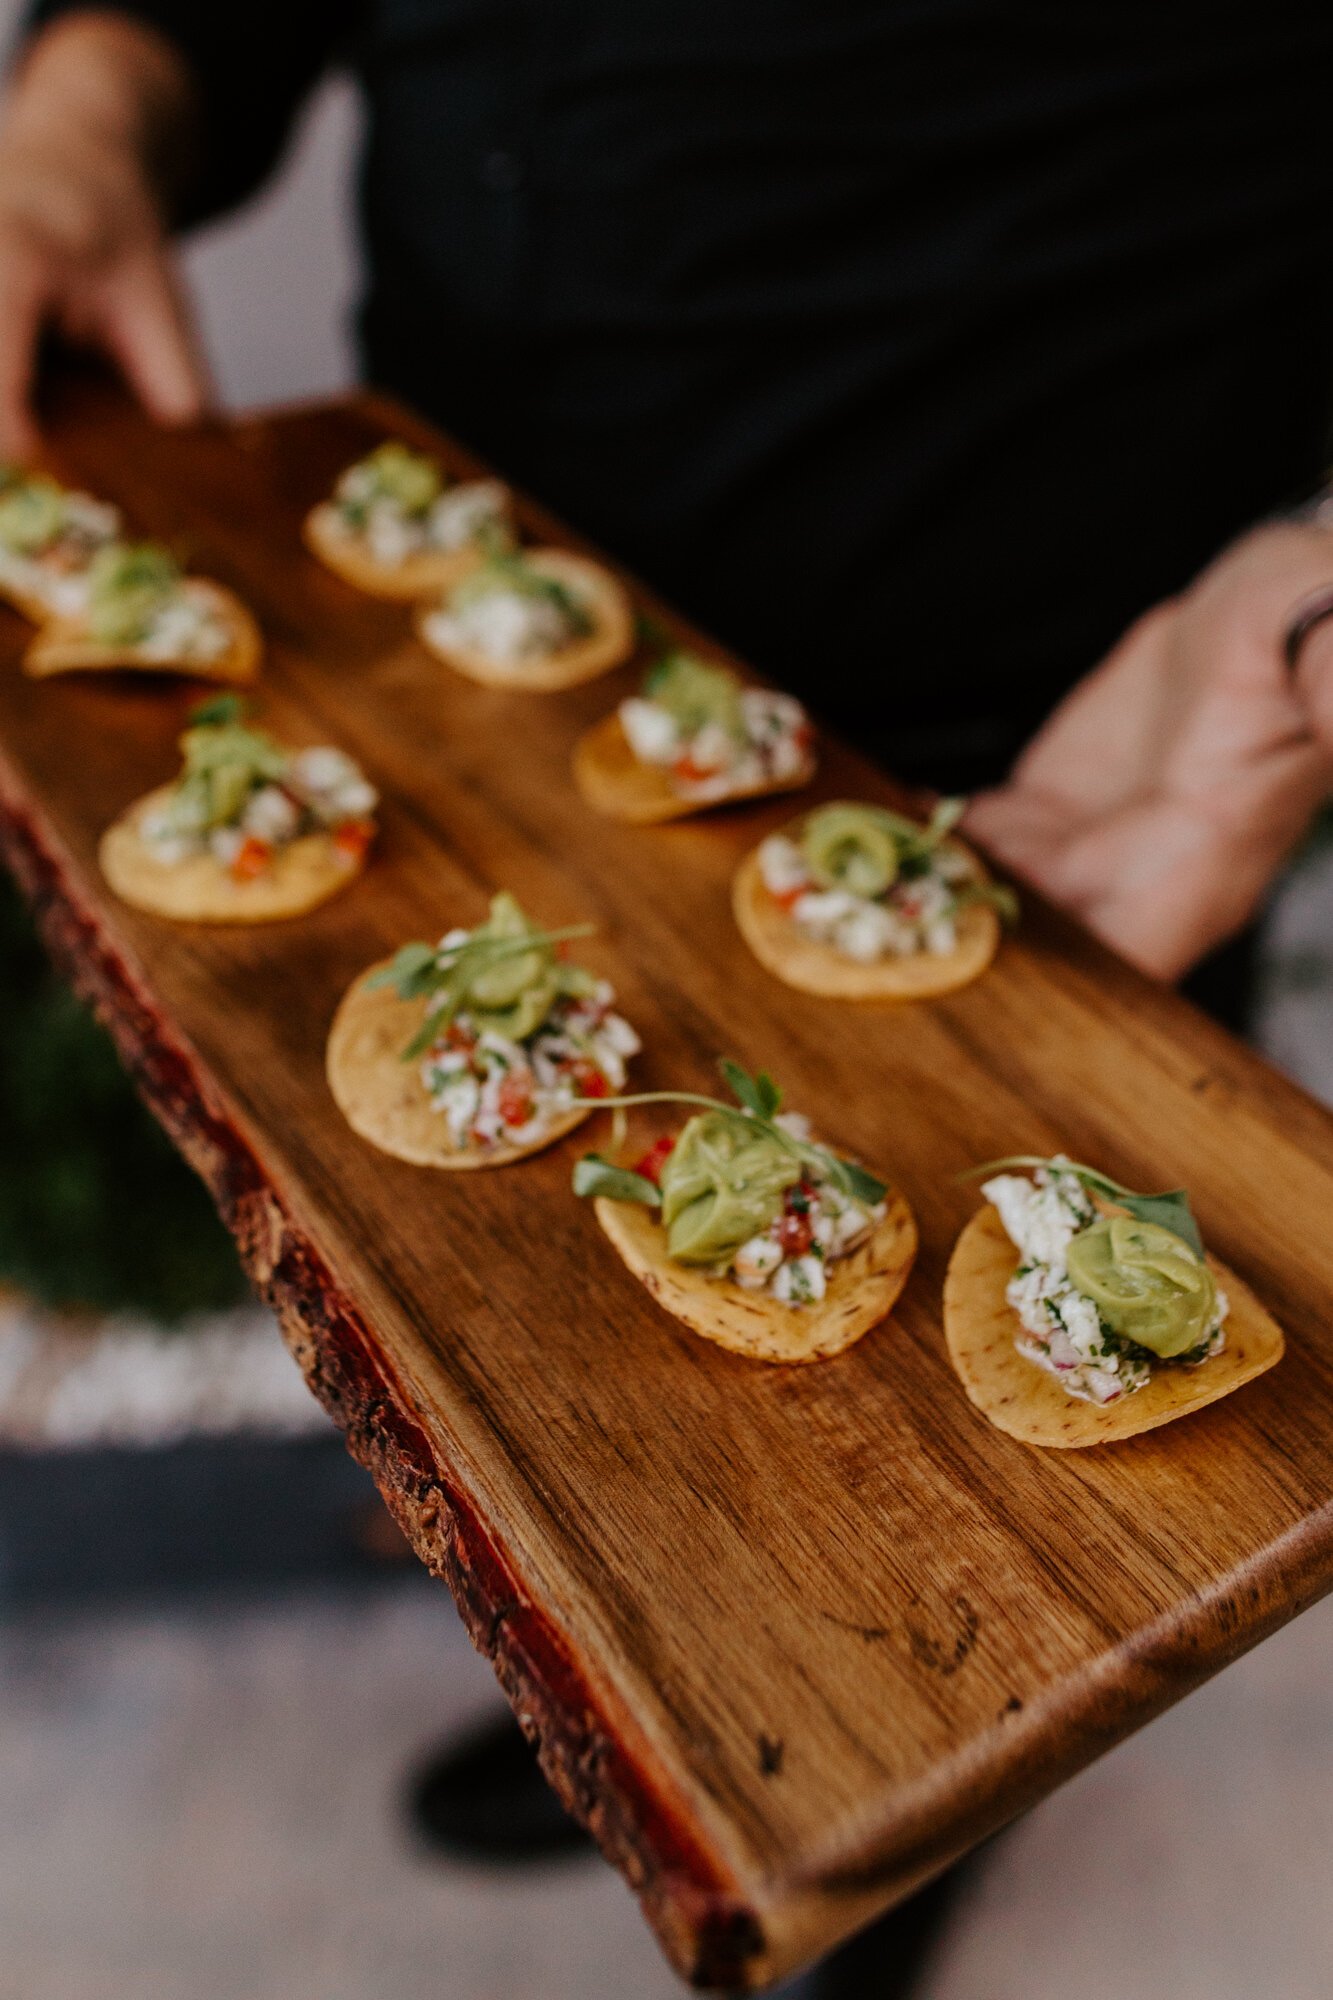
146	326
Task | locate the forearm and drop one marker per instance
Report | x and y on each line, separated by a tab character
111	96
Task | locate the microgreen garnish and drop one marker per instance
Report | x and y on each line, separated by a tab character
651	632
513	570
1000	897
595	1175
453	973
758	1100
1170	1210
217	712
943	819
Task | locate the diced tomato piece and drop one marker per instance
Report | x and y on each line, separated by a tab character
653	1161
456	1037
587	1079
691	773
252	858
785	898
514	1100
353	837
795	1234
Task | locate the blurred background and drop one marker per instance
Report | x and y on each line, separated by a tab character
201	1595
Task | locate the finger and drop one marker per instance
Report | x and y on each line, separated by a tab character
147	327
1167	879
21	309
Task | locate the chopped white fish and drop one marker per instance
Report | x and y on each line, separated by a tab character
508	626
1063	1330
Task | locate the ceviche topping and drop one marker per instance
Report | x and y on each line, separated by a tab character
241	797
137	596
400	503
48	538
515	1035
511	611
711	734
1104	1297
744	1192
873	884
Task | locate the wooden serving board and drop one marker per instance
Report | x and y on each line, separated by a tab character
791	1640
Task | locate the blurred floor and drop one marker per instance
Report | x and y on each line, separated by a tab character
204	1805
1190	1864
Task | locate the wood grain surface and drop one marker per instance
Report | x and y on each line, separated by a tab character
791	1639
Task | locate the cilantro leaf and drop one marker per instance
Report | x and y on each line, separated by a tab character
411	971
594	1175
1002	899
759	1095
217	712
1170	1210
860	1183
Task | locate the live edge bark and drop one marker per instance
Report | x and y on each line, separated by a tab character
712	1938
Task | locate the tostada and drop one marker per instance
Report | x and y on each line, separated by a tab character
478	1050
858	903
397	526
249	832
48	538
1078	1312
694	736
533	618
752	1233
140	611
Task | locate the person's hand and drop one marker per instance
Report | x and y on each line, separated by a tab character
83	246
1165	792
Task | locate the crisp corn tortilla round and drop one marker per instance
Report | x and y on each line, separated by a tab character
814	967
1018	1396
616	782
425	574
609	643
63	646
200	890
862	1289
384	1099
30	603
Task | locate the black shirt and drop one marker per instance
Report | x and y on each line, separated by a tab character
915	346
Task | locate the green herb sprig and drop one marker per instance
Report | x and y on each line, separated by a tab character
218	711
998	895
1170	1210
512	568
758	1101
420	969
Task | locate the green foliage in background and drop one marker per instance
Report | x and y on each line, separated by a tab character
96	1209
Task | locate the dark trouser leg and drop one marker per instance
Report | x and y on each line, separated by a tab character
1226	983
886	1961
